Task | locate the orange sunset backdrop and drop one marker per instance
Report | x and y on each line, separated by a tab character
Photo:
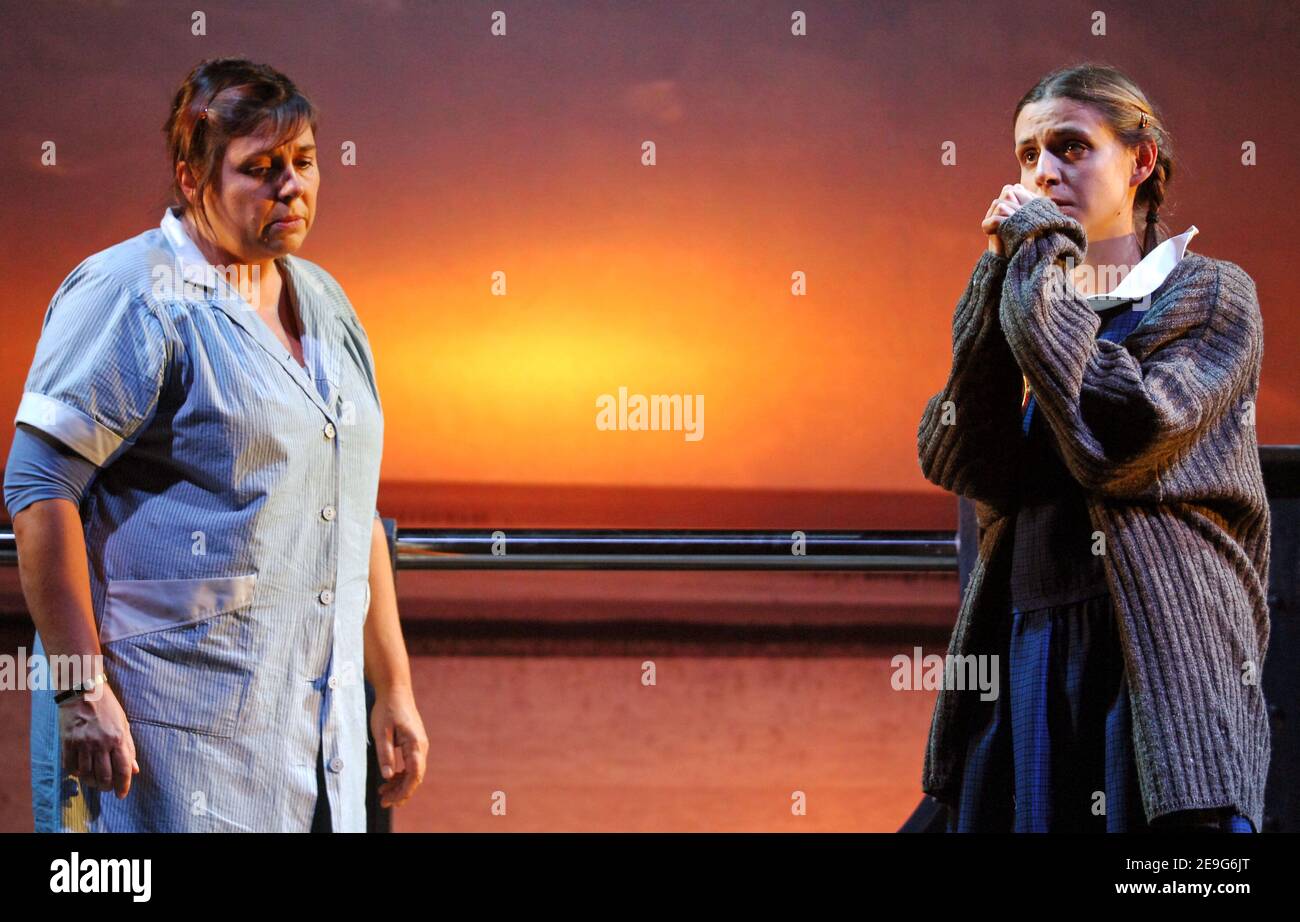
522	154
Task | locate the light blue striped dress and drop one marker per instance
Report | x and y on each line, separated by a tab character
228	532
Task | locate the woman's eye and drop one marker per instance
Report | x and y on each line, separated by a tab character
1028	155
262	172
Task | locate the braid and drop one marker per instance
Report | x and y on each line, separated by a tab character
1152	190
1149	239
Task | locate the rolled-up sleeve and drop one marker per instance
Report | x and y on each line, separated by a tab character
41	467
99	366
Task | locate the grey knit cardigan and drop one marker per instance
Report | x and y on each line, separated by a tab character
1159	431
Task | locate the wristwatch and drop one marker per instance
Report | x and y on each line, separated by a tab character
80	688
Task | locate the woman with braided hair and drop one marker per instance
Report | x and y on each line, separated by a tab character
1100	413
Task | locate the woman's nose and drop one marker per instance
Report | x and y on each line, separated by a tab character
1045	171
291	183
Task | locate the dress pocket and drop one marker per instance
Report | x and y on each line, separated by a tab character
181	652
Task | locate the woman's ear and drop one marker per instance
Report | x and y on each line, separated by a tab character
1144	164
185	179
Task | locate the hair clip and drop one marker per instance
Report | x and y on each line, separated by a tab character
204	114
1142	123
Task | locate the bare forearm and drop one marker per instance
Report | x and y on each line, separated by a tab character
387	664
55	579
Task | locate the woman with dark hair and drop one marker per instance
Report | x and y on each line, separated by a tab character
201	426
1100	413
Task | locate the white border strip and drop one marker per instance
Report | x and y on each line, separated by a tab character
69	425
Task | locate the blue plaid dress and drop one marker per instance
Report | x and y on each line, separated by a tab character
1057	752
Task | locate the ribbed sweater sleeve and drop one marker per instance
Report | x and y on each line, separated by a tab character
1119	421
969	438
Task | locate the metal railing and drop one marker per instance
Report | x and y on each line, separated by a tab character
545	549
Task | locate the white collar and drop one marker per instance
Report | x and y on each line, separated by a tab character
1148	275
193	267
